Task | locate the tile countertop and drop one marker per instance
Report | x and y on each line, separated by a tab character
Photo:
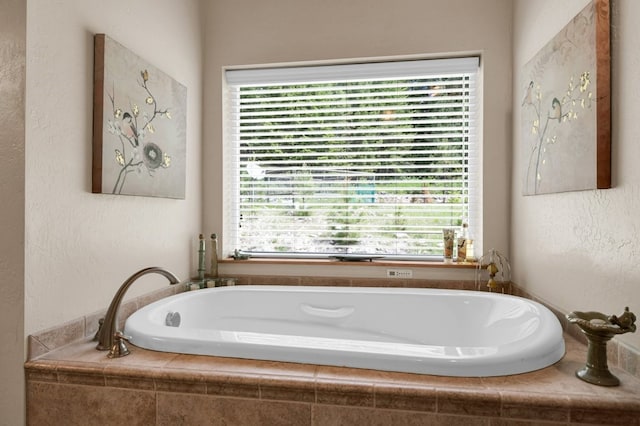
553	393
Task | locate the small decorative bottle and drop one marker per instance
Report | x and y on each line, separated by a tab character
201	255
213	272
462	243
471	257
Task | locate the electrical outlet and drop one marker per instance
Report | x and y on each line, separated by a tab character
399	273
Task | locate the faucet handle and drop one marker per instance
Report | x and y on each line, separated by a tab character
119	348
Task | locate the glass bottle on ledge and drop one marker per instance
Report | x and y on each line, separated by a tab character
462	244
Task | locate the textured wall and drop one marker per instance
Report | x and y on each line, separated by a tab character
12	118
580	250
81	246
244	32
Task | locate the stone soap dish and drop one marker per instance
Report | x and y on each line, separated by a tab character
599	329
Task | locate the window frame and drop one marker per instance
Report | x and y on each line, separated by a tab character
231	180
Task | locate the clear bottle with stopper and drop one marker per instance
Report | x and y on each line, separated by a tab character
471	255
213	271
462	243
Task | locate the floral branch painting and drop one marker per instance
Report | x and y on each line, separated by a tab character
565	108
139	126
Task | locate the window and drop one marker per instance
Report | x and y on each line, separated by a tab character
375	158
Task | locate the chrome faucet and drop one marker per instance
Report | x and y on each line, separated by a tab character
109	337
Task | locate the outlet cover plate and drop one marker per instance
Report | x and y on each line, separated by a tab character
399	273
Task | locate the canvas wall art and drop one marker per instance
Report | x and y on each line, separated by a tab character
139	125
566	108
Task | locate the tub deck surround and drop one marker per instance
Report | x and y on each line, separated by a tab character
149	387
67	378
429	331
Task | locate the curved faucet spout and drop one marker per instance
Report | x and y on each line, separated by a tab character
109	329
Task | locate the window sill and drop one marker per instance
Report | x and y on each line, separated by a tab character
334	262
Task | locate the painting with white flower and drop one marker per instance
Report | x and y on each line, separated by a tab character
139	125
566	108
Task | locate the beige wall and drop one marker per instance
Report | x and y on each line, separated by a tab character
76	247
12	147
81	246
580	250
245	32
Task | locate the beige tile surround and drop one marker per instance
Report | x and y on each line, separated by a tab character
68	379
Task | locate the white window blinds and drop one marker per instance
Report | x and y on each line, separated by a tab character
372	158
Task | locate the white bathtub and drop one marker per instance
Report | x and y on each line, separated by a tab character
428	331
